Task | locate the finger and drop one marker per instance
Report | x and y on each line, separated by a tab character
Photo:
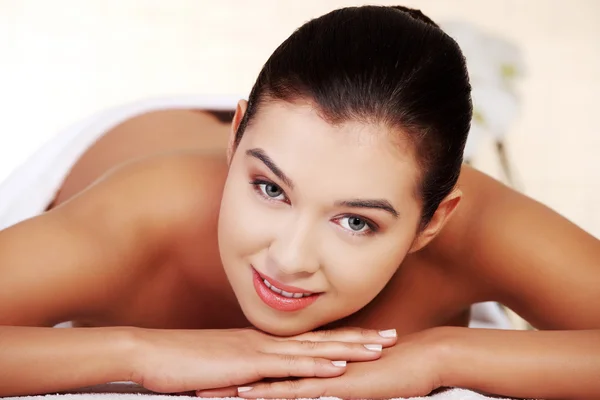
221	392
285	365
329	350
386	337
300	388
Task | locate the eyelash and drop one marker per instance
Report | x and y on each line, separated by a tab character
257	183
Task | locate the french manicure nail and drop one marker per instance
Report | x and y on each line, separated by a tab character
339	363
389	333
374	347
244	389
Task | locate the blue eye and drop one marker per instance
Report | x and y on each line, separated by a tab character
356	225
269	190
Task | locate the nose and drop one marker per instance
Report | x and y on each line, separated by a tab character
293	251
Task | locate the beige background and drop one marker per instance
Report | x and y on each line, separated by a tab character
64	59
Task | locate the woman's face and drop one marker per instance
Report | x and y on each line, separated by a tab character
315	218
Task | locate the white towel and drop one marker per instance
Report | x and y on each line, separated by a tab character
453	394
120	391
28	191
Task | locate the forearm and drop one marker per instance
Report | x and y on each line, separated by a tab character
43	360
525	364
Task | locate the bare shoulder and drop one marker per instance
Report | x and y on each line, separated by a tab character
98	246
513	249
173	189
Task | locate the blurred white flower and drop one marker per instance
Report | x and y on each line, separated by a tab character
494	65
494	109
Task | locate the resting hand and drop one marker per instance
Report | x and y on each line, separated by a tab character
406	370
185	360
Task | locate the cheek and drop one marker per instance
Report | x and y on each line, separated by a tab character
359	273
243	224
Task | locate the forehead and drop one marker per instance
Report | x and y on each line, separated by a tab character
353	155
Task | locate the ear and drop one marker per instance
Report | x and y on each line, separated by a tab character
240	110
440	218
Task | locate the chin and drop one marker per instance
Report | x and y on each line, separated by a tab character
280	326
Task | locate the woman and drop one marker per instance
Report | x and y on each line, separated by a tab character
341	201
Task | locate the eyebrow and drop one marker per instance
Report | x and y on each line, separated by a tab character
262	156
379	204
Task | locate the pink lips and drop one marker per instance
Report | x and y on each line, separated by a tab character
278	301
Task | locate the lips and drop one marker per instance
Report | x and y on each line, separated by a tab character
281	297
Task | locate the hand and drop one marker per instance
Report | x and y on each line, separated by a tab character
170	361
409	369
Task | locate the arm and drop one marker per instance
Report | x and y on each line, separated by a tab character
72	263
523	364
43	360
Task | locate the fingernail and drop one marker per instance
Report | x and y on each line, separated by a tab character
244	389
388	333
374	347
339	363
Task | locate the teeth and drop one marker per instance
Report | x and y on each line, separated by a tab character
283	292
276	290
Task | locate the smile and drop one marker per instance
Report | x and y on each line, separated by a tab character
282	292
287	298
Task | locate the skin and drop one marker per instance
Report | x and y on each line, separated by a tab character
150	257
